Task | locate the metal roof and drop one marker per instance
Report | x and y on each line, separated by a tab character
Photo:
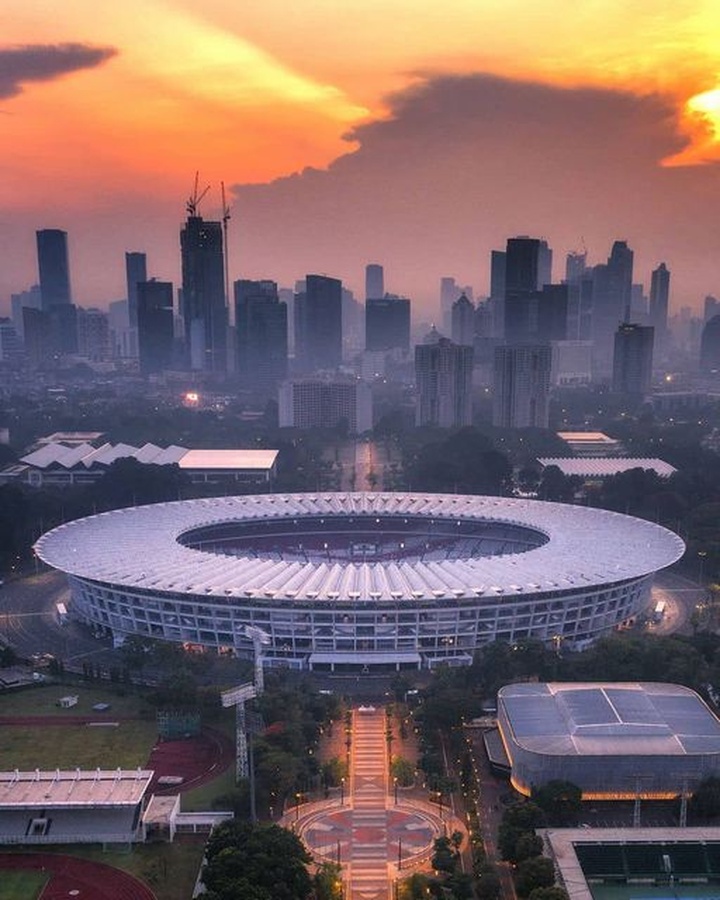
73	788
599	719
139	548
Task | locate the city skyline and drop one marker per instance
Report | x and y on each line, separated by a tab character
422	154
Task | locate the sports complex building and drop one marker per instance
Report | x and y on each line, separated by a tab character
615	741
352	581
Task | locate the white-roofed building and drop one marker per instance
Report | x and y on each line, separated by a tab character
593	468
82	463
615	741
341	581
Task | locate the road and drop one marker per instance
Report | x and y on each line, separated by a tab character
28	622
363	465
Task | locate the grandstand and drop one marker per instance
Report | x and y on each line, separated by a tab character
73	806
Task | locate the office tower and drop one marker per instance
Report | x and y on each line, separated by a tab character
575	267
498	262
353	325
54	268
659	301
528	266
710	346
205	315
123	339
135	272
40	346
449	293
261	332
325	402
462	327
521	385
318	324
632	360
638	304
552	313
93	334
711	307
387	323
11	350
155	325
612	293
443	384
374	281
31	298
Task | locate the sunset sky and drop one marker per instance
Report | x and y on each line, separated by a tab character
415	134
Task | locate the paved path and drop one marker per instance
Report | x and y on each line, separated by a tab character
363	828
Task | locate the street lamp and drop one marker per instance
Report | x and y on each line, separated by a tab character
395	782
297	806
342	791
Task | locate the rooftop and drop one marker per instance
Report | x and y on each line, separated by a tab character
73	788
141	548
602	467
597	719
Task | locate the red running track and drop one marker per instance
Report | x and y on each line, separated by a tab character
80	879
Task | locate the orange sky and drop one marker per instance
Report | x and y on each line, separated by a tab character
253	91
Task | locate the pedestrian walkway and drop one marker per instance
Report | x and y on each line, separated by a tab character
375	838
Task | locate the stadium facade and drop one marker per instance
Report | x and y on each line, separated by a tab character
615	741
360	581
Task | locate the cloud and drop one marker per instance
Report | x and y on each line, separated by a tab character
463	162
45	62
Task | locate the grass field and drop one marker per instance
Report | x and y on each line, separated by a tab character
19	885
42	700
76	746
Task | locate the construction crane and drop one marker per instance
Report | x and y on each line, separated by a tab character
225	220
193	201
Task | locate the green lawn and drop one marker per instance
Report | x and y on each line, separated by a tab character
42	700
201	798
77	746
21	885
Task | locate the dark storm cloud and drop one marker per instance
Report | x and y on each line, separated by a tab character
45	62
463	162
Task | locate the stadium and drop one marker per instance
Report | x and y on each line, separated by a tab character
615	741
359	581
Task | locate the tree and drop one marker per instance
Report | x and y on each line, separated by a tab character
487	886
527	846
403	770
444	858
327	882
268	857
561	801
549	893
518	819
537	872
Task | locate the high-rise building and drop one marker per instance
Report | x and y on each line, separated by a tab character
93	334
450	290
659	301
528	266
521	385
387	323
18	302
462	328
711	307
612	296
135	272
498	263
155	325
204	309
261	331
443	383
40	347
374	281
632	360
318	324
54	268
710	346
552	313
11	350
325	402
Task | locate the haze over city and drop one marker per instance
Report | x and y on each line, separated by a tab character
354	132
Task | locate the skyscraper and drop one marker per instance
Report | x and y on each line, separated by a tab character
54	268
135	272
528	266
463	321
203	295
521	385
261	329
318	324
443	382
155	325
374	281
612	295
659	300
710	346
450	290
632	360
387	323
